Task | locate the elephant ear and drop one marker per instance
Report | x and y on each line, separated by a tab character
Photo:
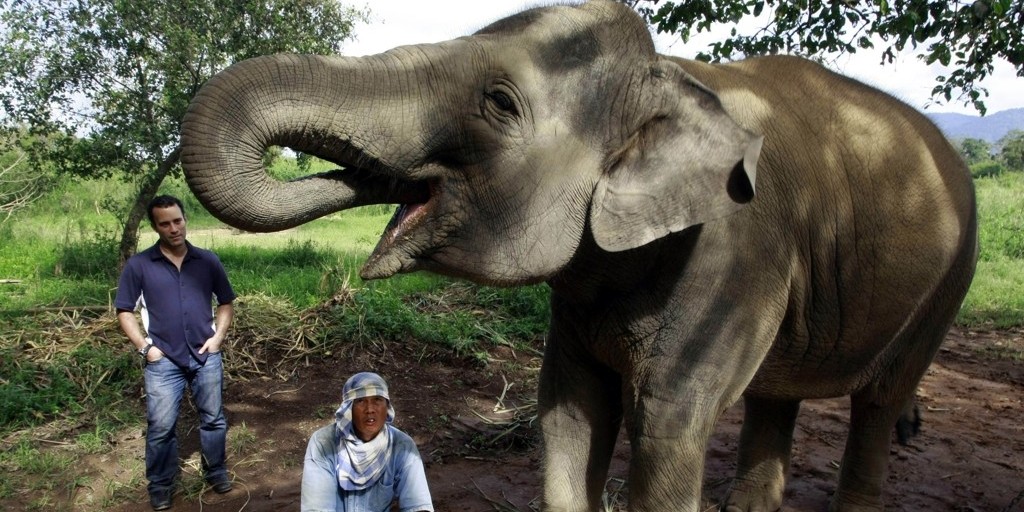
687	163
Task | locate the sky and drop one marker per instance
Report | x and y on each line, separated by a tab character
400	22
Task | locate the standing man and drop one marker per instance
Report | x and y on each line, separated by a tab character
173	284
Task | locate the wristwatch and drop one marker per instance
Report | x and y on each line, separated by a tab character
145	350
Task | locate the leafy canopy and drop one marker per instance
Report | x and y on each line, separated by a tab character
116	76
964	36
974	150
120	74
1011	150
987	160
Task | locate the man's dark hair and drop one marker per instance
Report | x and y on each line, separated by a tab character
164	201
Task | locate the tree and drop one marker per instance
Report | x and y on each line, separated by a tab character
966	36
23	180
18	186
1011	150
974	150
117	76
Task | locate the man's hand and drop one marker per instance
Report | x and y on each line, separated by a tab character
222	319
154	354
211	345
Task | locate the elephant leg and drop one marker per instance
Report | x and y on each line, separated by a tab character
875	409
866	457
580	413
669	425
766	441
666	472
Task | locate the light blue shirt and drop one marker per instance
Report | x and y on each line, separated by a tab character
404	478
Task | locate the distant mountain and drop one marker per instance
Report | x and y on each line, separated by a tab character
990	128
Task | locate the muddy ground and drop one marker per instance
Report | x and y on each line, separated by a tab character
969	456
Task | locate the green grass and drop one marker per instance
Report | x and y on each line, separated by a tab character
996	297
464	318
241	441
1001	216
94	441
47	375
28	459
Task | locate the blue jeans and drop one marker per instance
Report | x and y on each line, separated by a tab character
165	387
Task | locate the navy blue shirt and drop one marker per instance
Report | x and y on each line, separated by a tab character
176	307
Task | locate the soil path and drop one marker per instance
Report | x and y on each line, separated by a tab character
967	458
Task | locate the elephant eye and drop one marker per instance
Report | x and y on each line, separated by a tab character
503	102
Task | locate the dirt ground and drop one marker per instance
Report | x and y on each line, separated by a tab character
967	458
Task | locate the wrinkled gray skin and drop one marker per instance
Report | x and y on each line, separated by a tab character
556	146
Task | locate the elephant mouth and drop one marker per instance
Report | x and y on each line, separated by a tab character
398	238
406	217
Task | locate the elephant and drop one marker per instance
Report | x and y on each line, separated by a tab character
763	229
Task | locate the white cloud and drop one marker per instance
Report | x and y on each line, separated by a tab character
911	80
401	22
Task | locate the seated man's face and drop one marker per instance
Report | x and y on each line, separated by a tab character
368	416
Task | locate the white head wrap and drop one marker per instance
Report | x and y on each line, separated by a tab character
360	464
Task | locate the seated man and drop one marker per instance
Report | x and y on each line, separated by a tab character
361	462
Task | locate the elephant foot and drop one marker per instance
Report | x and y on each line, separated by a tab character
747	495
849	502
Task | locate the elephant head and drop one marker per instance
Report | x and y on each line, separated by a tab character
504	149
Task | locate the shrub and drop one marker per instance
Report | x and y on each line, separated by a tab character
986	169
93	256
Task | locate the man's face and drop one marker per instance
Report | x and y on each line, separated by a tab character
368	416
169	224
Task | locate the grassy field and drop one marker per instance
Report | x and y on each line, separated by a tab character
65	365
61	252
996	298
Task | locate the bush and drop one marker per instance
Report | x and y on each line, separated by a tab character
986	169
93	256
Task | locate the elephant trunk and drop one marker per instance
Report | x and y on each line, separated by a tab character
334	108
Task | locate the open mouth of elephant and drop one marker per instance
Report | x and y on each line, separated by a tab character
409	214
399	248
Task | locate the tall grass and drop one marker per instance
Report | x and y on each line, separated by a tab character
996	297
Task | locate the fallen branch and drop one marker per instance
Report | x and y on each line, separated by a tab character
268	395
